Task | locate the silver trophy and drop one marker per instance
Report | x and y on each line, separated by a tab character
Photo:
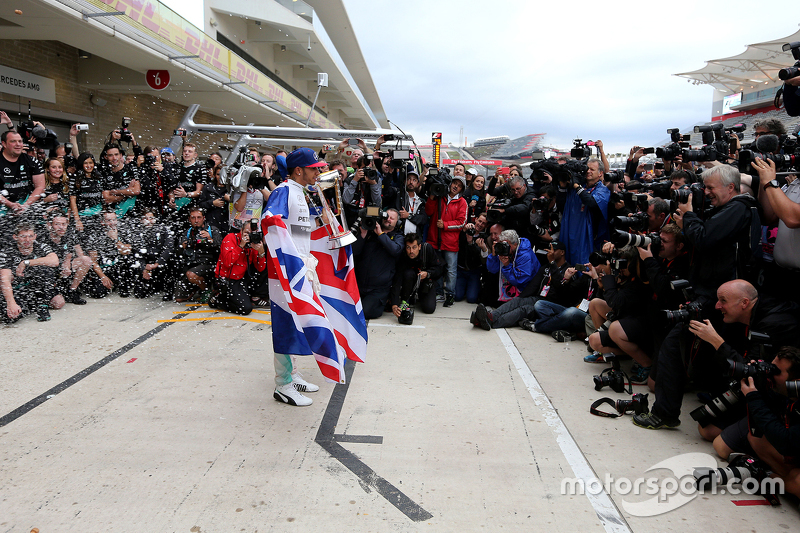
337	237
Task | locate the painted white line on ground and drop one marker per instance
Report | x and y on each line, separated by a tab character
371	324
603	505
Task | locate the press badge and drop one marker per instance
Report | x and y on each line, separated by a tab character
584	305
545	290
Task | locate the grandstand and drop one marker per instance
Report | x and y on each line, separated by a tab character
519	148
491	141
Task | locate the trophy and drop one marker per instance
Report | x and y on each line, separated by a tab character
337	237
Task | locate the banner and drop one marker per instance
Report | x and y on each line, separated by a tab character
481	162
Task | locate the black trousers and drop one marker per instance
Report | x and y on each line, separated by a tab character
374	301
235	295
426	295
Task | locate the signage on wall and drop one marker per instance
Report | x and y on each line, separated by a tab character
157	79
25	84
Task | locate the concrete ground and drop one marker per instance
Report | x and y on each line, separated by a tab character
114	421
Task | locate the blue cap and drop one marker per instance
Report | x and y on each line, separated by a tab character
167	150
303	157
281	162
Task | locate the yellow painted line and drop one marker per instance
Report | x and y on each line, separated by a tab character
244	318
262	312
202	311
196	305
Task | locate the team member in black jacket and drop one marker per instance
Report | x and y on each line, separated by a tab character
214	199
417	268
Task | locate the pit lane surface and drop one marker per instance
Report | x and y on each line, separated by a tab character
445	428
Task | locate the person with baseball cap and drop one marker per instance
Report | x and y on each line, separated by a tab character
288	200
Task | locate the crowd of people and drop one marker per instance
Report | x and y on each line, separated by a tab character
673	265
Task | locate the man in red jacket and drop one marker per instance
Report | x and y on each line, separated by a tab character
242	271
448	215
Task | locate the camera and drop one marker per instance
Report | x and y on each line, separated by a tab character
368	217
615	176
740	468
635	221
638	404
124	134
758	370
580	150
255	232
38	135
82	127
610	378
69	159
179	133
717	406
370	173
494	215
793	71
782	161
437	184
697	190
690	311
149	160
502	248
621	238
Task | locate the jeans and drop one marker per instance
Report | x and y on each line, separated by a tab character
449	278
468	283
511	312
552	317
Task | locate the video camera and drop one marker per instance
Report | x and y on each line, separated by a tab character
399	158
580	150
437	183
494	215
240	175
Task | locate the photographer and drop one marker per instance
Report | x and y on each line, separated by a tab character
515	211
417	271
412	208
516	262
362	188
781	206
250	204
214	199
198	251
376	252
545	219
724	243
584	220
450	214
21	175
470	260
779	445
739	303
150	181
120	181
241	271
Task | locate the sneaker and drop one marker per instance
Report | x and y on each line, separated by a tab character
472	319
205	296
43	314
639	374
528	324
482	317
449	300
562	335
301	385
652	421
595	357
288	394
440	297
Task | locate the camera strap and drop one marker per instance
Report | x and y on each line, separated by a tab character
595	411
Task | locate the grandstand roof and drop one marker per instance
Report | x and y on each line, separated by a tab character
515	148
759	63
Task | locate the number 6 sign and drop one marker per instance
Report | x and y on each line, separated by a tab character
157	79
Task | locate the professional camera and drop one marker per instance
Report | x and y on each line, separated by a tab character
690	311
69	159
635	221
697	190
675	148
740	468
399	157
494	215
437	183
782	161
368	217
793	71
502	248
255	232
580	150
615	176
370	173
38	135
149	160
638	404
717	406
610	378
621	238
658	189
758	370
124	134
240	175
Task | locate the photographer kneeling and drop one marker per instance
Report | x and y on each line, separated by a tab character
777	422
417	270
241	271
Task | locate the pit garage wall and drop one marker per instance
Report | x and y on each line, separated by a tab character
152	119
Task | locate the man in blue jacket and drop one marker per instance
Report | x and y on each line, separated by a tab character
584	225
